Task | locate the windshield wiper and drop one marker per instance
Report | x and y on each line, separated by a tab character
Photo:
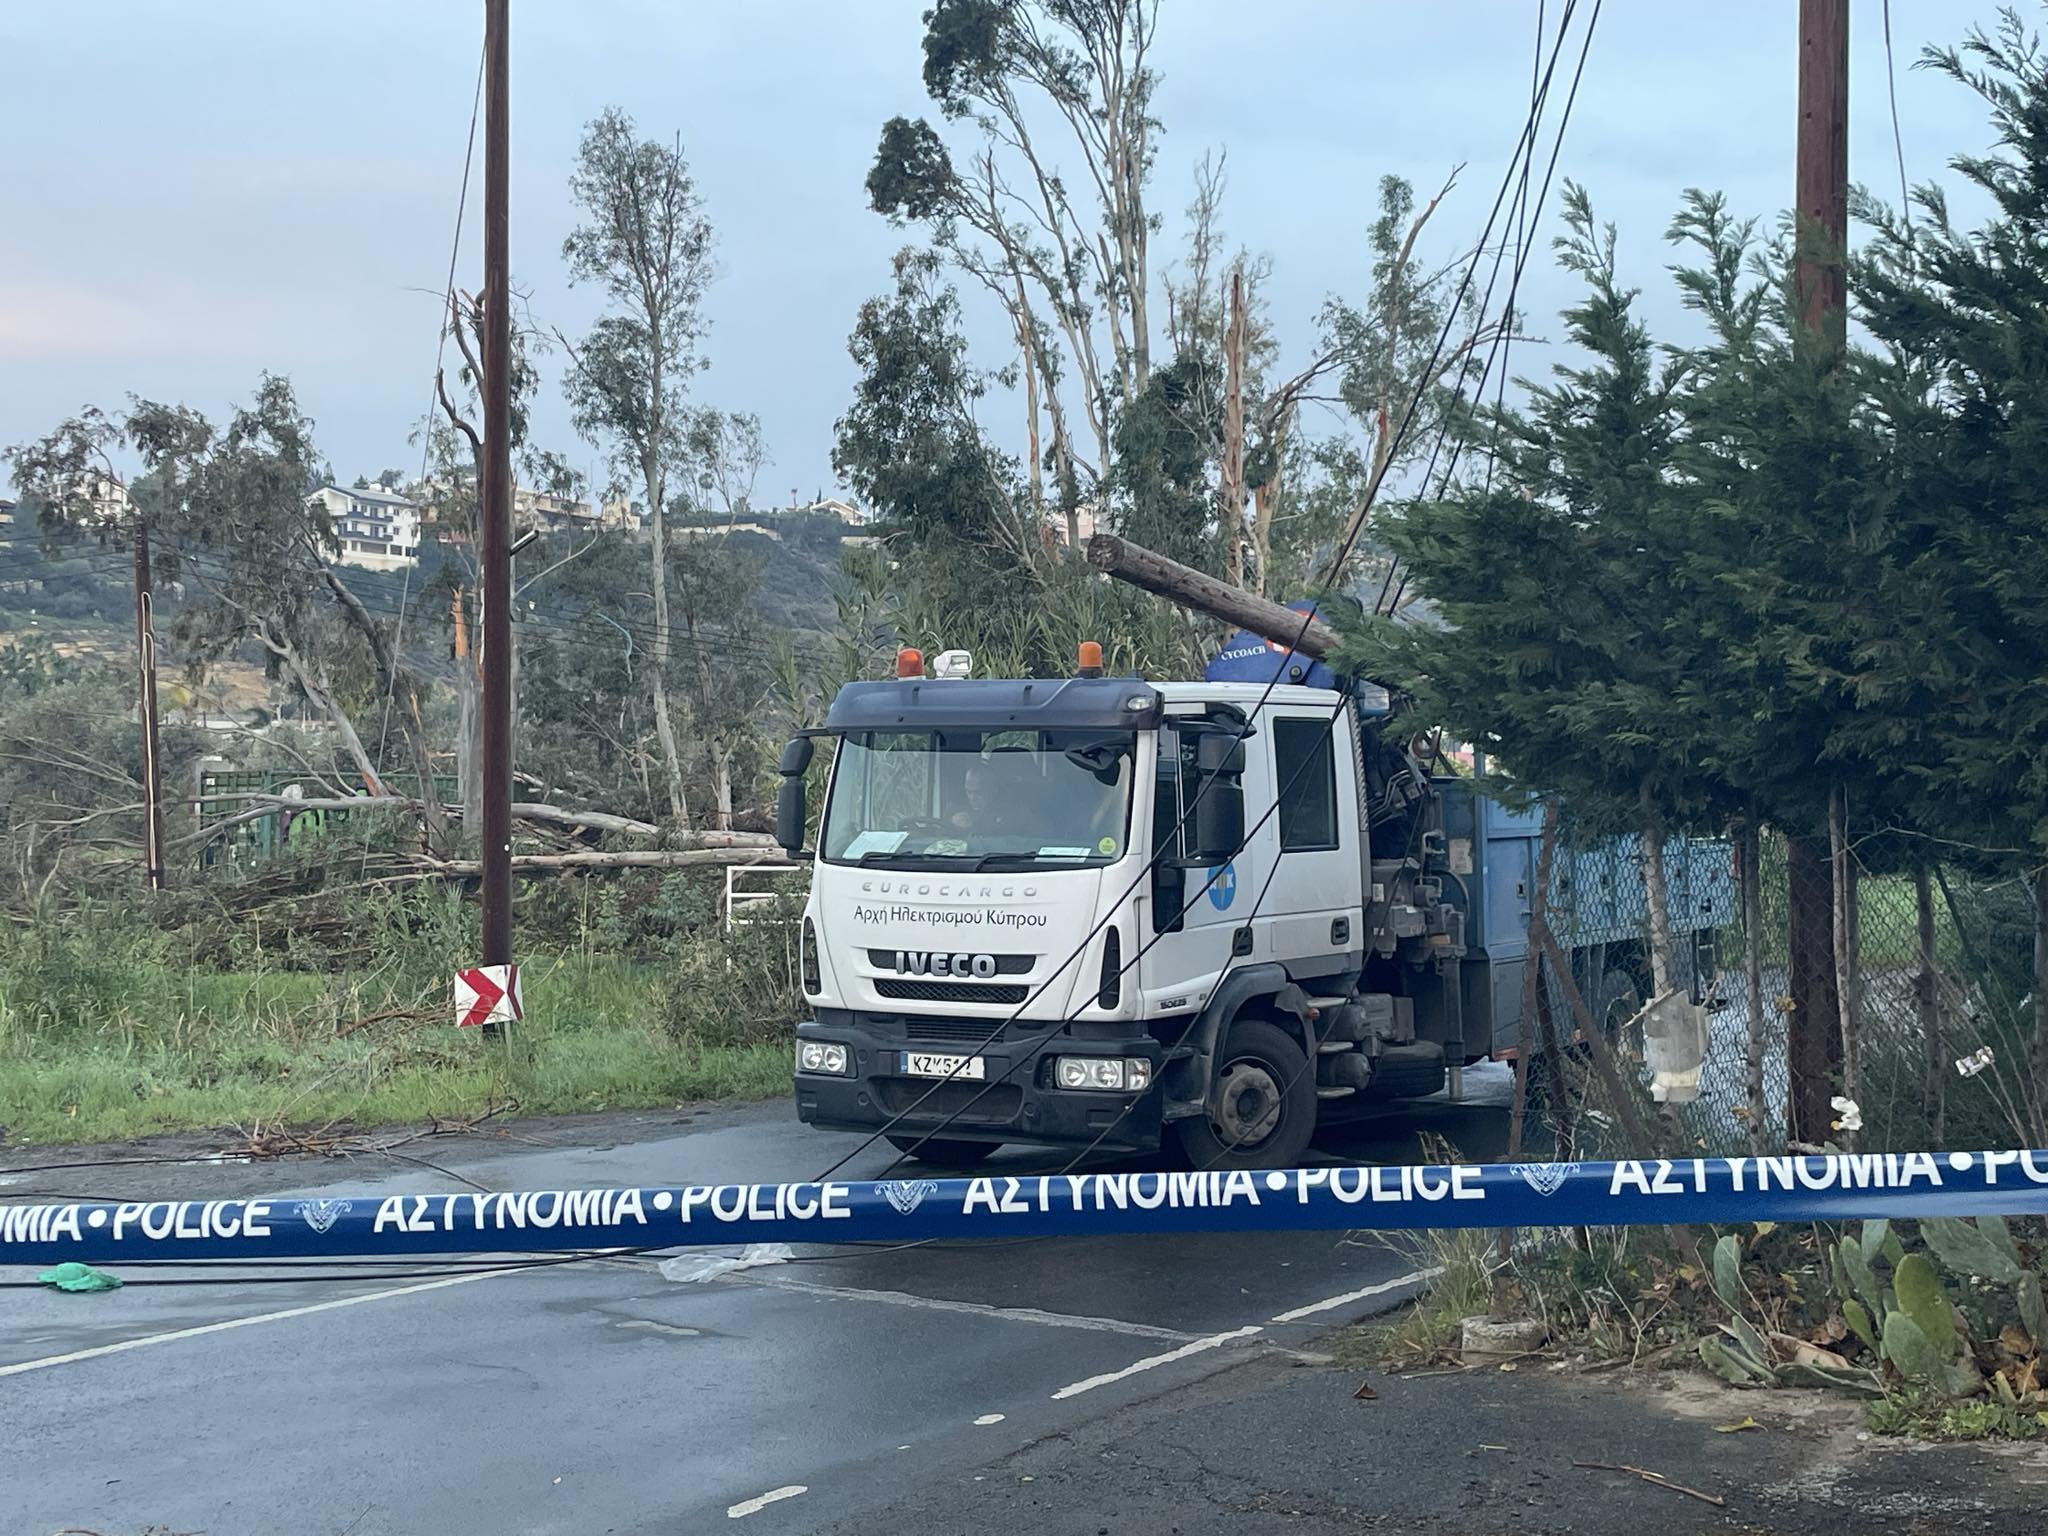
902	858
1026	860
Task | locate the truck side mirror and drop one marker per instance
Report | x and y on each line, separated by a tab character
1219	752
1215	833
791	812
1218	823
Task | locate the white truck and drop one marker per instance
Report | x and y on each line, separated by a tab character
1106	912
994	954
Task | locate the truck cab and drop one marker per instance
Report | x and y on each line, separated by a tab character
1102	912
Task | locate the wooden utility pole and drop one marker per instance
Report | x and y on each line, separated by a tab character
497	495
1822	189
1813	1043
145	654
1202	592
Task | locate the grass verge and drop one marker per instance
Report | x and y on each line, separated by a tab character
1430	1329
203	1050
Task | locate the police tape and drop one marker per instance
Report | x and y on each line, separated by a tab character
1688	1190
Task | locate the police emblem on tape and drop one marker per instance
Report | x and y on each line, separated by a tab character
323	1214
1545	1178
906	1195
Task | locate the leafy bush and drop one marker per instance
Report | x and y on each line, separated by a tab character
740	986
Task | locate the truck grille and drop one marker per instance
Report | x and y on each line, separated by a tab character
966	1103
1006	965
950	991
954	1031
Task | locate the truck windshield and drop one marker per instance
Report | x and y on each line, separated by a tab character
980	799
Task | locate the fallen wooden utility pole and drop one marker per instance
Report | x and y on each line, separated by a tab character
1195	589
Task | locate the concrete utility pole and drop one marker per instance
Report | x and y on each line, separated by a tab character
1813	1037
497	495
145	654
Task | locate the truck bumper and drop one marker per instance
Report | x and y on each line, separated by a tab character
1014	1102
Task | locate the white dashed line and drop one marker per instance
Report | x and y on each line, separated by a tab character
759	1502
969	1308
1152	1362
1419	1277
251	1321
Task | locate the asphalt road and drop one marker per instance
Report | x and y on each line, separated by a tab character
607	1397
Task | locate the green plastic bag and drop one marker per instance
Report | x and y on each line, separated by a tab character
78	1277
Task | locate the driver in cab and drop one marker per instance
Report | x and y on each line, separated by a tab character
989	796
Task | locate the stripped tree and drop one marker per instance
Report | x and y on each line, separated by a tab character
646	243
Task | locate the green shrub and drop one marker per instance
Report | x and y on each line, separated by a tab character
739	986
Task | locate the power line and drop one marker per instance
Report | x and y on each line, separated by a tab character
1891	80
447	319
1514	286
1525	147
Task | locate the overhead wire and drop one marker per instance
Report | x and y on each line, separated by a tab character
1458	444
447	319
1891	80
1536	101
1308	617
1525	146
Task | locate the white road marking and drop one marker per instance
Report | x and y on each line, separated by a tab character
1151	1362
987	1419
1418	1277
252	1320
969	1308
653	1327
759	1502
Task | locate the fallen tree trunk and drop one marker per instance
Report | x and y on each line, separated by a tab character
525	810
1195	589
625	858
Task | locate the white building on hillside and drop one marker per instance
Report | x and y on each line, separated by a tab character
377	528
844	510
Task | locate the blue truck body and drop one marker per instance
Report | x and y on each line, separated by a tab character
1597	907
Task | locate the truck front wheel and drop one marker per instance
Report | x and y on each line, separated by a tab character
944	1151
1262	1103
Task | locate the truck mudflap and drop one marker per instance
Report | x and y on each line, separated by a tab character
1014	1100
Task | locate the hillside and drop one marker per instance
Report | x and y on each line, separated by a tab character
80	600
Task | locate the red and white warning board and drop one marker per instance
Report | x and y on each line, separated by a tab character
486	994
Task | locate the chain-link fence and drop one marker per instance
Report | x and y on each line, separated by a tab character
1934	1045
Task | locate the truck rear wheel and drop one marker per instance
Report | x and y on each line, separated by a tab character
944	1151
1261	1109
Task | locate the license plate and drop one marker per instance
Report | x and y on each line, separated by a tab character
925	1064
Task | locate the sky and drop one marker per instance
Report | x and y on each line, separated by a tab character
192	195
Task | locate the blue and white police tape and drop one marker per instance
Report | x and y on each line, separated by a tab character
1700	1189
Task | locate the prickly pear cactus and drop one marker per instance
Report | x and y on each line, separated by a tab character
1985	1250
1922	1299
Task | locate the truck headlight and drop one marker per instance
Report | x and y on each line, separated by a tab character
1111	1074
826	1056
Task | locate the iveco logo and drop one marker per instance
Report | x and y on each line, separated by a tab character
922	962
